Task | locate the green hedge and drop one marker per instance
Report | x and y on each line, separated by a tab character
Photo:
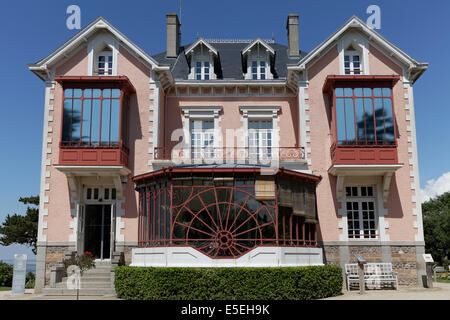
293	283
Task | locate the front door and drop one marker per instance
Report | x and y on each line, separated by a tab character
97	230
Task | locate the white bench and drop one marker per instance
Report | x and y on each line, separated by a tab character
375	274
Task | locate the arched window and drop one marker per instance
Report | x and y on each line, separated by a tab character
353	61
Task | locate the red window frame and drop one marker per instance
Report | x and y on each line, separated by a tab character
99	82
359	81
79	143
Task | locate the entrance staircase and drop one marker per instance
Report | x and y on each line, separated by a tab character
98	281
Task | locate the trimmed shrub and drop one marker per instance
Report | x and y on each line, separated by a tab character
6	274
274	283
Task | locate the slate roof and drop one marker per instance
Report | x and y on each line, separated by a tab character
230	60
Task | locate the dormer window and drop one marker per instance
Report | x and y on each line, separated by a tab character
352	61
202	70
258	60
259	70
105	63
203	60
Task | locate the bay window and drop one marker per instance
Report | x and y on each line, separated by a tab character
92	117
364	116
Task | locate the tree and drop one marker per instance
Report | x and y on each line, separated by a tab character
22	229
436	226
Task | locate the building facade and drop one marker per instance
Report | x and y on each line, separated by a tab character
230	152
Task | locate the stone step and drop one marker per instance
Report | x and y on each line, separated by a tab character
82	292
93	276
99	279
87	284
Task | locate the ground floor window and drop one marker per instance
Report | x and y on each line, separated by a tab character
361	213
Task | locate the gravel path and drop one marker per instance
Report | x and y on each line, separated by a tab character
440	291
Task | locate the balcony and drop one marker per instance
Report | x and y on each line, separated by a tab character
364	154
242	155
93	156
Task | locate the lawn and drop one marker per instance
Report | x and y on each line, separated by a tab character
5	288
438	280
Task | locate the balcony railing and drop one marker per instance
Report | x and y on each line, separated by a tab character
364	154
93	155
230	154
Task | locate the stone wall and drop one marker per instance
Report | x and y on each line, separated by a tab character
402	257
53	255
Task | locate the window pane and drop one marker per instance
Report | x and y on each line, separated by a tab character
255	77
106	105
358	92
95	122
355	59
115	121
340	120
367	92
370	128
77	93
68	93
346	58
263	76
377	92
348	92
379	119
76	120
86	122
254	64
206	64
67	119
101	58
386	92
350	121
206	77
388	120
199	77
360	120
339	92
97	93
87	93
106	93
262	63
115	93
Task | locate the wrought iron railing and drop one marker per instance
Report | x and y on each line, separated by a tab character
230	154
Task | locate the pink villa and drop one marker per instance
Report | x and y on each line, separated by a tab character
230	152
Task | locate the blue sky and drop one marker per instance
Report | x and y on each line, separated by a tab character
30	30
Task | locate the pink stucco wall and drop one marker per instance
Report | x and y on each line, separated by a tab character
230	116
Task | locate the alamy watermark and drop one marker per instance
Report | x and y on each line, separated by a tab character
74	20
374	20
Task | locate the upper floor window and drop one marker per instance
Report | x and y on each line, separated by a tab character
92	117
105	63
260	139
259	69
361	215
202	70
202	139
352	61
364	116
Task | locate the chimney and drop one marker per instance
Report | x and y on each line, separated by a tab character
173	35
292	31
